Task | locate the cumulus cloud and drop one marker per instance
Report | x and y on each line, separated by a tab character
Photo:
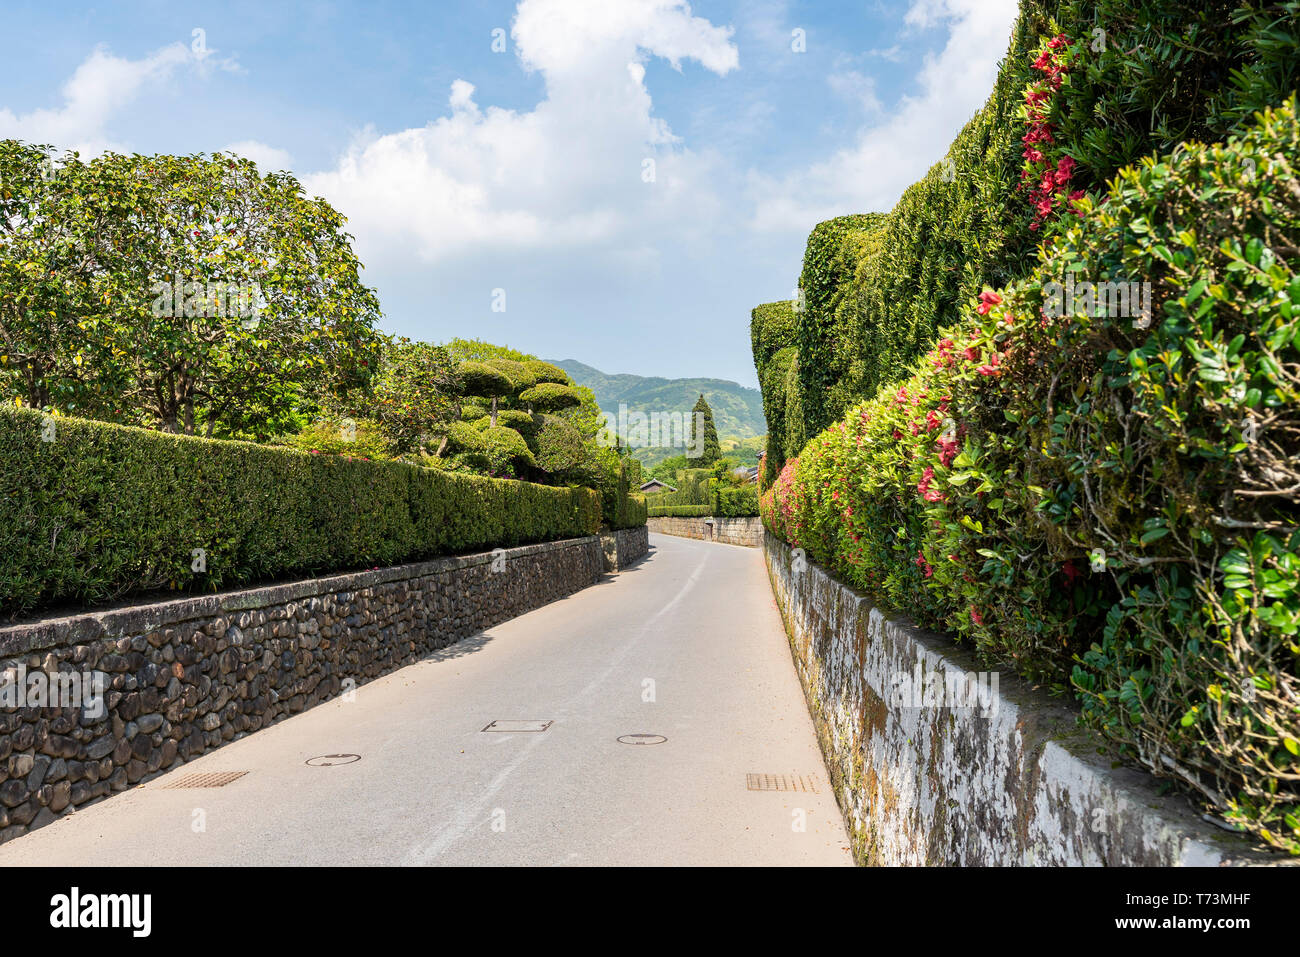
267	158
100	88
890	154
571	171
857	88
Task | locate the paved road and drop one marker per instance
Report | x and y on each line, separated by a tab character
695	620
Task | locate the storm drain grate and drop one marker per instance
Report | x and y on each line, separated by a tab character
519	726
782	782
206	779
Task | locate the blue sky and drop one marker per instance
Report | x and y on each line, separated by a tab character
464	171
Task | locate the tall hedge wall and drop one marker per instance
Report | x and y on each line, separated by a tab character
91	511
771	333
824	313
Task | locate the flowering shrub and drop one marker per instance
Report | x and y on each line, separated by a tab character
1046	166
1108	504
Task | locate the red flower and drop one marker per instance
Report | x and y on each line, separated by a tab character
947	451
991	368
987	301
976	616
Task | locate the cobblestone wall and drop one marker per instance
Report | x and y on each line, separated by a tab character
624	546
729	531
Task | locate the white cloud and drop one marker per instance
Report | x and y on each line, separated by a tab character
267	158
102	86
567	172
857	88
894	152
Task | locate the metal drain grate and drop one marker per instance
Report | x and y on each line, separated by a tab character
206	779
782	782
513	726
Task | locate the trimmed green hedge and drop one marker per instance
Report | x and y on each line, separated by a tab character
620	506
734	501
772	381
104	510
771	329
680	511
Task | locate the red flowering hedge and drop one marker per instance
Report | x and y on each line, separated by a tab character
1110	501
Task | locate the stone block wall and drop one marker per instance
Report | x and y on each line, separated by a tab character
729	531
937	761
624	546
183	677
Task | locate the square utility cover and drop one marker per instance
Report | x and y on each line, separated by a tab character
519	725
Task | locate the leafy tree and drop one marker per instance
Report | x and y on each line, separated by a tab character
50	244
183	293
563	452
414	398
707	443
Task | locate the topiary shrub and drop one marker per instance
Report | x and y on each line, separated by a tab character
550	397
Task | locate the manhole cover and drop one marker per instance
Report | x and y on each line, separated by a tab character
782	782
642	739
519	725
206	779
329	760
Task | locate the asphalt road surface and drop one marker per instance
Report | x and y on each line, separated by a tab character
686	644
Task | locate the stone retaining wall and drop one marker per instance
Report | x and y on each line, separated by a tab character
182	677
935	761
624	546
729	531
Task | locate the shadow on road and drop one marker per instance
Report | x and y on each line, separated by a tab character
459	649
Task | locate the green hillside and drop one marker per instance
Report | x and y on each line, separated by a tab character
737	410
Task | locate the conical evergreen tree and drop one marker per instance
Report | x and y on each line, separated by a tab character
711	449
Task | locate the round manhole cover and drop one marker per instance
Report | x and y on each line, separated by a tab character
642	739
329	760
